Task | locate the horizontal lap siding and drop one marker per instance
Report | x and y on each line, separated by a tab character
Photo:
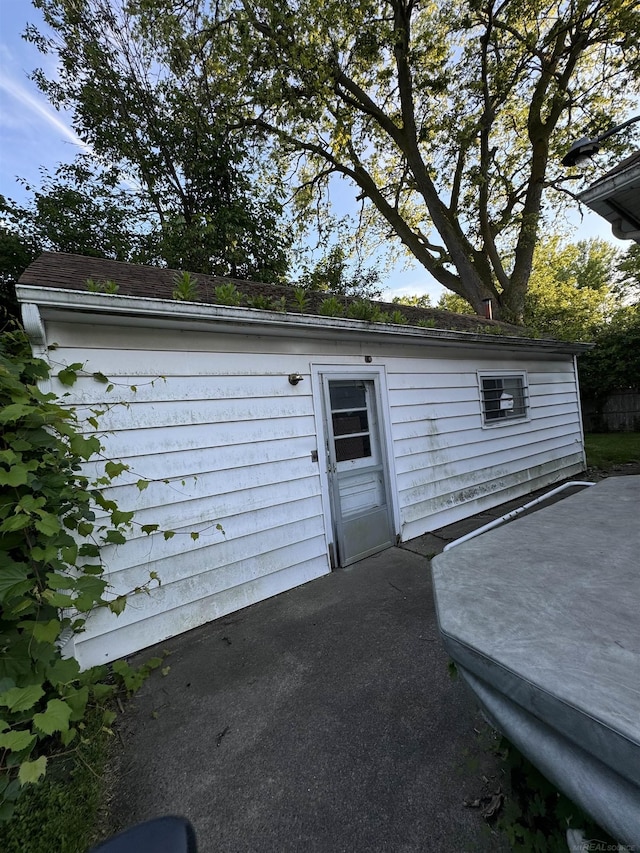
215	415
234	439
448	465
199	611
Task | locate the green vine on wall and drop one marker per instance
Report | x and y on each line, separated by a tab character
53	523
68	375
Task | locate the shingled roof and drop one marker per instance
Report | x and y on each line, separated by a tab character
71	272
630	162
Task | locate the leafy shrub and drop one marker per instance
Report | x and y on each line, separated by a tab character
106	286
228	294
260	302
398	318
491	330
186	287
53	522
301	299
614	363
363	309
331	307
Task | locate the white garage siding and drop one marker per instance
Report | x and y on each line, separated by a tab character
450	466
235	440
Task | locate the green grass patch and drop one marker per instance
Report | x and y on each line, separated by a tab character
536	816
64	813
612	448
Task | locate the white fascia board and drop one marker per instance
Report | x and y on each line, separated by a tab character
605	187
144	311
601	198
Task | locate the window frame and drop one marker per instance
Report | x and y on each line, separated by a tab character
521	375
368	434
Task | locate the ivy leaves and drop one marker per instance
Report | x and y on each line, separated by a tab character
68	375
54	524
55	718
21	698
51	575
32	771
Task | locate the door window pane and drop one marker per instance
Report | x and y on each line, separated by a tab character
350	420
353	447
347	395
345	423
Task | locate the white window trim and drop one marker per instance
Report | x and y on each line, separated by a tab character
504	374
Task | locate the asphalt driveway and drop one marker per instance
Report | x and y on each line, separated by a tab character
320	720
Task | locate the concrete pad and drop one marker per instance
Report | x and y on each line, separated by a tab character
427	545
320	720
542	616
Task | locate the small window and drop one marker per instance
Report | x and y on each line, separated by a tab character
504	398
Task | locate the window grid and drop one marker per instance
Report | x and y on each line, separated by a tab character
504	398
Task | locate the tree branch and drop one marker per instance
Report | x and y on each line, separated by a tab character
457	245
362	102
486	123
359	175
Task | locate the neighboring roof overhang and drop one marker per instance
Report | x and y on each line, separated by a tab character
616	197
144	311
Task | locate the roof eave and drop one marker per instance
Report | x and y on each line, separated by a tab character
237	319
600	197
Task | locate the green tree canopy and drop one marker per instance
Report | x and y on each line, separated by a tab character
421	301
82	209
452	302
628	269
79	210
332	272
614	363
152	114
571	290
574	289
448	119
16	253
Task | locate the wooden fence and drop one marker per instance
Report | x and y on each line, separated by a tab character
620	412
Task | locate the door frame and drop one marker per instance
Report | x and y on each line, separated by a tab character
377	373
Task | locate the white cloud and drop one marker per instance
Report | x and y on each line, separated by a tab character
39	108
407	284
26	142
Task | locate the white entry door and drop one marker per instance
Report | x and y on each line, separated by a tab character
357	468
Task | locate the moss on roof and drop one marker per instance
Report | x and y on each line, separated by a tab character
73	272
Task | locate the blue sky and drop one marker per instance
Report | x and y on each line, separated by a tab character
34	134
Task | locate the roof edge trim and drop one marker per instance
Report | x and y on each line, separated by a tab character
100	303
